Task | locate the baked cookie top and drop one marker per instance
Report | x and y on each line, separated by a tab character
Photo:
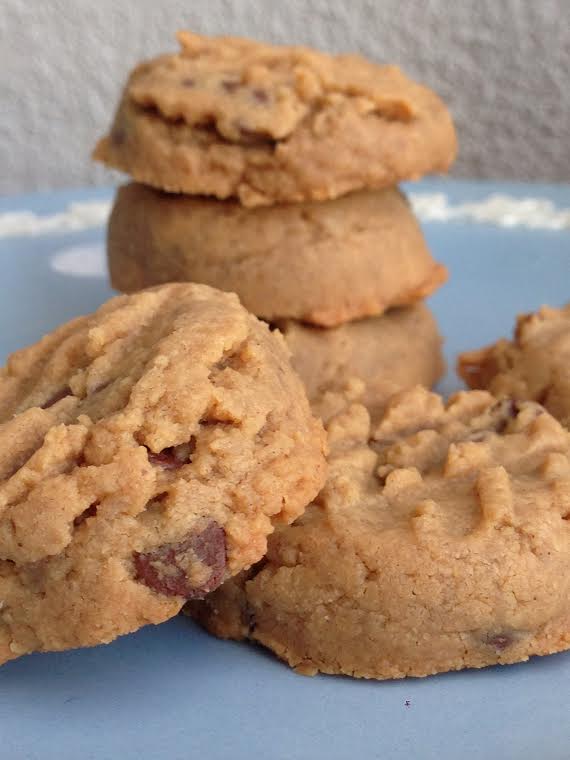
232	117
146	452
535	365
441	540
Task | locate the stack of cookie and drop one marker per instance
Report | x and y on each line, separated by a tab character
272	172
162	453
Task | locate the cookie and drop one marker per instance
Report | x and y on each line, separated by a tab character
535	365
234	118
146	452
440	541
398	350
323	263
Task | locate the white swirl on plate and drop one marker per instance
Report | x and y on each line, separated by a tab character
498	210
80	261
77	216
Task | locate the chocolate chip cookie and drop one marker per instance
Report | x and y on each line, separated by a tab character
323	263
398	350
535	365
440	541
146	452
231	117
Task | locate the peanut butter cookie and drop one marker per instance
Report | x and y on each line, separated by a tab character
146	452
535	365
231	117
441	541
323	263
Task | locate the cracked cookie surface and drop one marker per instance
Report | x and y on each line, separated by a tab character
440	541
146	452
534	365
322	263
231	117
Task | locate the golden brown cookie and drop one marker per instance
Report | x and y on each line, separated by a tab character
535	365
231	117
323	263
146	452
398	350
440	541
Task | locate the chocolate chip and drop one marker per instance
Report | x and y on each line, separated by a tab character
229	360
173	457
165	459
165	568
89	512
507	410
188	82
57	396
500	641
229	85
156	504
260	95
251	137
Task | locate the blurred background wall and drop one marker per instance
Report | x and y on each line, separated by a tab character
502	65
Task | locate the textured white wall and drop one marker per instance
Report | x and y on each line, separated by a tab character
502	65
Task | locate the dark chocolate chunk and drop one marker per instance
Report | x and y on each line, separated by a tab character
229	85
173	457
164	569
251	137
506	411
89	512
260	95
500	641
57	396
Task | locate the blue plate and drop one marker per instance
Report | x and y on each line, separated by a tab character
174	692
